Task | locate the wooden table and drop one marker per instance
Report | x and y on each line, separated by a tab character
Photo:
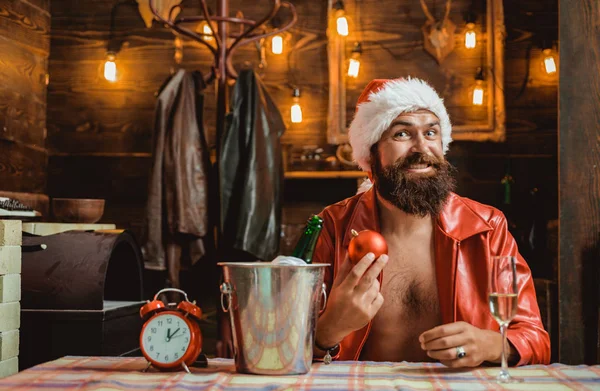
125	373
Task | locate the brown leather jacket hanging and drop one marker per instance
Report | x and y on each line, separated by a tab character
251	171
178	201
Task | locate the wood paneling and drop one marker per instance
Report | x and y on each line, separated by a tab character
22	168
579	231
27	24
24	44
89	115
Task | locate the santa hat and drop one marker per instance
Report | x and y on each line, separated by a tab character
384	100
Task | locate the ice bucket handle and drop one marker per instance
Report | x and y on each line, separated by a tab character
226	290
324	293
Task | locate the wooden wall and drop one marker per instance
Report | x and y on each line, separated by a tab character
25	45
579	182
99	133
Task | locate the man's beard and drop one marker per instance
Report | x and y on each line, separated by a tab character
418	194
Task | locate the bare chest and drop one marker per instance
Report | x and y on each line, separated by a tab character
409	285
411	305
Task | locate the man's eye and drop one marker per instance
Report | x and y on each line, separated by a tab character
431	133
401	133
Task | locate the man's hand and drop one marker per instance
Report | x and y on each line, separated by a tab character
479	345
353	301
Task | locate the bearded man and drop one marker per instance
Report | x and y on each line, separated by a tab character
427	299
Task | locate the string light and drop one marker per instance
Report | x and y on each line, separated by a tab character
296	110
206	32
470	36
354	64
478	88
277	44
110	67
549	63
341	21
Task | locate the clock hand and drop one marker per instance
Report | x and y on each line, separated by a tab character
175	332
168	335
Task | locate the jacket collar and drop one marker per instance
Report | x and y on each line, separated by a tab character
457	220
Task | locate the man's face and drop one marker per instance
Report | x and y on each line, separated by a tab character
408	165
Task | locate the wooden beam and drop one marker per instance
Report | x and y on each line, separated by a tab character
579	181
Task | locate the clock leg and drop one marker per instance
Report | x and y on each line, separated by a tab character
185	367
147	367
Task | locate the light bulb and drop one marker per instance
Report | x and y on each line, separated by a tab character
207	34
478	94
296	113
342	25
277	44
296	110
470	37
353	67
549	62
110	68
354	64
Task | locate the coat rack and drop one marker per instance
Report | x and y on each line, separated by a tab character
222	68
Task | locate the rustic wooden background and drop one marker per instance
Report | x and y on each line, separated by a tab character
25	45
579	182
99	133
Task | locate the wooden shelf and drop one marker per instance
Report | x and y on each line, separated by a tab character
325	174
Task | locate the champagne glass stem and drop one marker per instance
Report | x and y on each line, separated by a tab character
503	375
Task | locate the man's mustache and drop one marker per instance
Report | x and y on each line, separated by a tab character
418	158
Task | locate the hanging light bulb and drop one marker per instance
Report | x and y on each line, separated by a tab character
470	36
549	63
110	67
354	64
204	29
341	21
296	109
277	44
478	88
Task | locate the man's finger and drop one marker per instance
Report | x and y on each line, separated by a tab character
443	355
442	331
444	342
372	273
372	293
359	270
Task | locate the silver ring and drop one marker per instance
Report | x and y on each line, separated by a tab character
460	352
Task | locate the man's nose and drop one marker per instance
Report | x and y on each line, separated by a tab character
419	144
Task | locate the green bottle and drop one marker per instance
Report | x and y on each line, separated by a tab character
306	244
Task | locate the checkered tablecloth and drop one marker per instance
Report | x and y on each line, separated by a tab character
125	373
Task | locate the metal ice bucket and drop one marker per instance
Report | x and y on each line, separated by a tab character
273	311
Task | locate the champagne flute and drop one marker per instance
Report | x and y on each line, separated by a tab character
503	292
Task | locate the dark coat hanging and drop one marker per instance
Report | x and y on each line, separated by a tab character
177	216
251	171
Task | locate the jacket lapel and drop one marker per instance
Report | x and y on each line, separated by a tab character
456	223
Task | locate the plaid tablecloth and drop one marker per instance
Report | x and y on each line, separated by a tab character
120	373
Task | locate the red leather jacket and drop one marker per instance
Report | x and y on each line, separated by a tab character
466	235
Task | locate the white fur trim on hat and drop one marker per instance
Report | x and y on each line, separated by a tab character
374	116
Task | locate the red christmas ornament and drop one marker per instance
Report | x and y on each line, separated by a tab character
365	242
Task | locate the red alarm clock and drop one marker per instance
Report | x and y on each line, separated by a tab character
170	337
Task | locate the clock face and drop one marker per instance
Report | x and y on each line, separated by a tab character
166	338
